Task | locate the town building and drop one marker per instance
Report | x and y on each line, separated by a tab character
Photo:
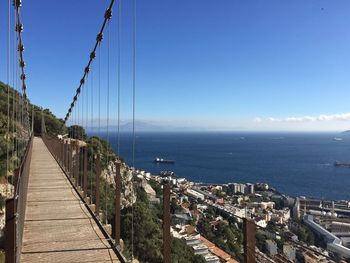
271	247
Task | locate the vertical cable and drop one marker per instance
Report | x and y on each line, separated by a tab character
99	100
99	89
133	118
17	105
91	126
119	77
78	121
14	95
82	110
108	54
8	94
87	103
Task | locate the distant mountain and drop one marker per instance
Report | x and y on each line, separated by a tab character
141	127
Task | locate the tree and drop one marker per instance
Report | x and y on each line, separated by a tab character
181	253
77	132
174	206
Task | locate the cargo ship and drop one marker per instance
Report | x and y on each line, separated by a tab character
337	164
161	160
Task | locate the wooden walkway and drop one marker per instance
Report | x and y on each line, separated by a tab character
58	227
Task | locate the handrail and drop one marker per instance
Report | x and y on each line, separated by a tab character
16	206
72	165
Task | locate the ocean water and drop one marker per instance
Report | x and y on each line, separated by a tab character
293	163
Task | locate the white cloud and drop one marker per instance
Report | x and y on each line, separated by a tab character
257	119
319	118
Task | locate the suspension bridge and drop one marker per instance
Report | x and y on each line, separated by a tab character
54	213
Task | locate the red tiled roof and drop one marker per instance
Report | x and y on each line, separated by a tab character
217	251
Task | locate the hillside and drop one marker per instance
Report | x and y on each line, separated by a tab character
16	131
149	228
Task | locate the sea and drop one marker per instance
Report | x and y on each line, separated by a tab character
297	164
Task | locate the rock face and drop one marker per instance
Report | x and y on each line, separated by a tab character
7	191
128	195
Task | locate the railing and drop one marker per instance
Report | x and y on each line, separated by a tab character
16	207
72	157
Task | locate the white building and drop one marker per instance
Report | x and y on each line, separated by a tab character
194	194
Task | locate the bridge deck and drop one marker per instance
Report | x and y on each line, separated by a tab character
58	227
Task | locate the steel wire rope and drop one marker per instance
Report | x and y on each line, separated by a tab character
8	94
108	143
91	141
14	153
107	17
133	120
119	71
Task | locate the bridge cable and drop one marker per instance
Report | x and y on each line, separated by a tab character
133	114
8	95
107	17
24	101
91	126
108	143
99	89
13	145
99	101
82	109
119	77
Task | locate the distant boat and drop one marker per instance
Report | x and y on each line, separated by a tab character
337	164
161	160
337	139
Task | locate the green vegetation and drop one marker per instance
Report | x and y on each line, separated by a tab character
148	240
77	132
227	236
304	233
181	253
15	140
260	241
146	223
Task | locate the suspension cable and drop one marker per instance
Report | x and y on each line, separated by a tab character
8	95
19	30
133	119
91	127
108	55
13	145
107	17
119	69
99	89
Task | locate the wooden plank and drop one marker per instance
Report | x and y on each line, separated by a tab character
58	227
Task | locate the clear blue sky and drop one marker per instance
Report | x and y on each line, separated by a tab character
228	64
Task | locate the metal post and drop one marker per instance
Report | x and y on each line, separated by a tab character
15	178
64	155
77	159
85	171
249	231
166	224
81	167
97	186
62	152
10	231
69	161
118	188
